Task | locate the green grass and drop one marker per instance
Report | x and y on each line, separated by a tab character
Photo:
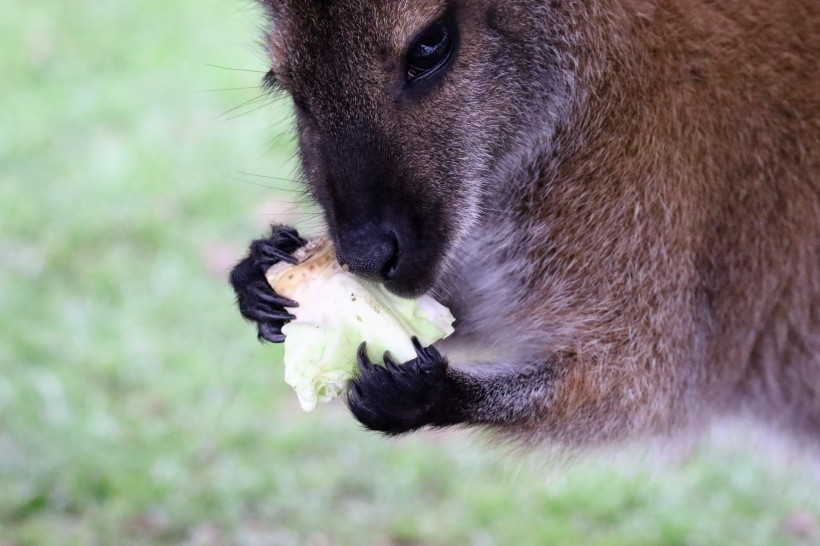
135	405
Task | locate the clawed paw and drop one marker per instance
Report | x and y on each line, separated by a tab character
396	398
257	302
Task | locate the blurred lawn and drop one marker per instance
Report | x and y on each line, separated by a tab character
135	405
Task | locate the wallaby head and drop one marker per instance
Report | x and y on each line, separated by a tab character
404	111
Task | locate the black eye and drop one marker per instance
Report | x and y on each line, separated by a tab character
430	51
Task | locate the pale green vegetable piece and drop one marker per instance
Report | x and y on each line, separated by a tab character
337	311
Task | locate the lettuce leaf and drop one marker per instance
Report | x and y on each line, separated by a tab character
337	311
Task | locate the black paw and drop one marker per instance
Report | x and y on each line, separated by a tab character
394	398
257	301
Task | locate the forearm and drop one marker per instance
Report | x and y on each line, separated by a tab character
427	391
495	394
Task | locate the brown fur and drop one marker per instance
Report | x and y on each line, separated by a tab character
640	208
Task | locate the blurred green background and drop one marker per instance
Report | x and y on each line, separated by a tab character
137	408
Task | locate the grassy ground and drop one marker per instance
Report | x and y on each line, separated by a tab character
135	406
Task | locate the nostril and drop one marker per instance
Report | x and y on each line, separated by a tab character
376	260
392	263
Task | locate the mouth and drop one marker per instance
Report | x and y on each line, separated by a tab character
408	289
412	275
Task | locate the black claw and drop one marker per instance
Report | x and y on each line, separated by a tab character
285	302
273	338
268	296
391	364
291	234
277	254
426	356
270	333
362	359
261	314
417	346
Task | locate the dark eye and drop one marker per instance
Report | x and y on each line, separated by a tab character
430	51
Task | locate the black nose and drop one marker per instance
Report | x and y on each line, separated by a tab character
373	256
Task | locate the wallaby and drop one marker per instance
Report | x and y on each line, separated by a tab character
619	200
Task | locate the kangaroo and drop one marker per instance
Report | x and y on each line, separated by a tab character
619	201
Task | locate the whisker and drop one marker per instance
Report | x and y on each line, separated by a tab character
291	180
246	103
266	186
236	69
285	203
277	123
311	216
308	215
249	111
228	89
